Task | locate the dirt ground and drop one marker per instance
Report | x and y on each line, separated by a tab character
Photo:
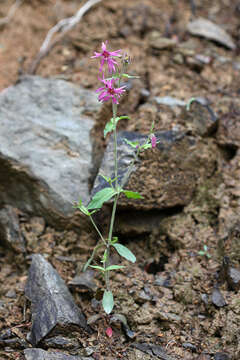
187	327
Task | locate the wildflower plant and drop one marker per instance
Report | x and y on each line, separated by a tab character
116	63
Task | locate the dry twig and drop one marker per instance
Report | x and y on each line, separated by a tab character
63	26
11	13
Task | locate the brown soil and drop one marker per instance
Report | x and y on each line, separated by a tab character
174	315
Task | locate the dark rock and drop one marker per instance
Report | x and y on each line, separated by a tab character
233	279
84	281
14	343
53	307
61	342
153	350
190	346
162	281
217	298
10	235
122	319
228	133
45	146
207	29
39	354
201	117
221	356
229	274
166	176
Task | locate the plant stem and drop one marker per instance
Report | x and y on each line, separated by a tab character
106	264
98	231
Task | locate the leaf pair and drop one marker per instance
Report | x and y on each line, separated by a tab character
111	124
107	193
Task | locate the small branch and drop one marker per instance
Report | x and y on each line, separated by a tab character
63	26
11	13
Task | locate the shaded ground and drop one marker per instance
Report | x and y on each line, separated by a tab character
170	278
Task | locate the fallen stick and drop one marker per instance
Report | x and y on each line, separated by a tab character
11	13
64	25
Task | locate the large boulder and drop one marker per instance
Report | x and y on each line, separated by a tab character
45	146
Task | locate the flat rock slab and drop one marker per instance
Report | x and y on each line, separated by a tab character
39	354
209	30
166	176
45	145
53	307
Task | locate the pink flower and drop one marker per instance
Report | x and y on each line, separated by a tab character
109	92
153	141
108	57
109	332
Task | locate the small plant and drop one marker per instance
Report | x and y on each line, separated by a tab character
204	252
116	64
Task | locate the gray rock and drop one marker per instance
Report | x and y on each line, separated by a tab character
84	281
53	307
189	346
39	354
45	146
221	356
217	298
169	101
161	43
61	342
201	117
233	279
207	29
10	235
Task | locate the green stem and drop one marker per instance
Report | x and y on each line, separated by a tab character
98	231
92	256
106	264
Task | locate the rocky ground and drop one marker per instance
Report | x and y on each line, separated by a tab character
181	298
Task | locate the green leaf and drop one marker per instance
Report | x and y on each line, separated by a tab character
190	102
82	208
201	252
133	144
104	257
101	197
114	267
109	127
87	264
114	240
123	117
132	194
209	256
98	267
205	247
106	178
125	252
146	146
130	76
107	301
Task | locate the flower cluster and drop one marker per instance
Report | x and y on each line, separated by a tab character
109	91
